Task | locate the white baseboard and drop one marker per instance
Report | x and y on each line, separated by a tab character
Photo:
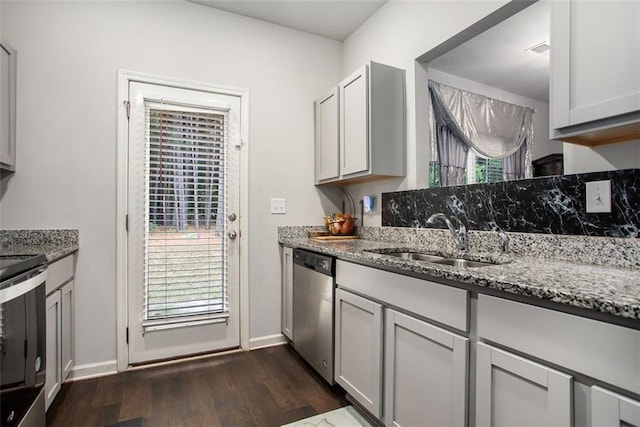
93	370
266	341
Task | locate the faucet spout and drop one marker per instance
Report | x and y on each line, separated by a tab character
459	235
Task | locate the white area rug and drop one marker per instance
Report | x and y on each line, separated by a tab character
343	417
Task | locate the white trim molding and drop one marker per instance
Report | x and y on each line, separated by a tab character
124	78
267	341
93	370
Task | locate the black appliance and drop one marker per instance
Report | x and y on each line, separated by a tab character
22	340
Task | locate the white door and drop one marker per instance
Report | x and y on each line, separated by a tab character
183	222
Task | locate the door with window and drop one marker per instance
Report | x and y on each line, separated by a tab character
183	222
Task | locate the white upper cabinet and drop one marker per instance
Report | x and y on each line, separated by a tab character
354	123
360	127
327	137
595	71
8	68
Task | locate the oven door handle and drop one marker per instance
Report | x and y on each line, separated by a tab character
22	288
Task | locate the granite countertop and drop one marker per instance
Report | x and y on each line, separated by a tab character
605	289
54	244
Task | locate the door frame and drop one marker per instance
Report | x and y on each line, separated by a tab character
124	77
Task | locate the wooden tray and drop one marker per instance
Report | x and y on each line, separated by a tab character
334	238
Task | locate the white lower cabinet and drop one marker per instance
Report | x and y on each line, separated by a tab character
53	380
66	325
358	349
426	370
60	325
611	409
287	292
511	390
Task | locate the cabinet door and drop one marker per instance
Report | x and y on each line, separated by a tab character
425	374
358	349
287	292
595	60
354	123
611	409
67	330
8	61
511	390
327	137
54	343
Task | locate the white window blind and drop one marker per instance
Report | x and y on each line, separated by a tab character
184	240
483	169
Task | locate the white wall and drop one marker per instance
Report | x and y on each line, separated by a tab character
69	55
579	159
542	145
397	34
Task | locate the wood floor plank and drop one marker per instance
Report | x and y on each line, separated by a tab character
266	387
136	399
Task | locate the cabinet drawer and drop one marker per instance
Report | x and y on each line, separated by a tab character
600	350
441	303
59	273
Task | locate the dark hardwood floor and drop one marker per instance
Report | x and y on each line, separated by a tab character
267	387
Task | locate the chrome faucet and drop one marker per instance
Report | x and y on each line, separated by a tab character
459	235
504	240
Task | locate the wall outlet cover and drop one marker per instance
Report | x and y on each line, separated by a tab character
369	204
598	195
278	206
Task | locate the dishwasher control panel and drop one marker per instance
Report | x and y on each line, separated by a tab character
315	261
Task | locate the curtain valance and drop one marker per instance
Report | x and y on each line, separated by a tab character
493	128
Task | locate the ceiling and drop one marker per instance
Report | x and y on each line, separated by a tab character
335	19
498	57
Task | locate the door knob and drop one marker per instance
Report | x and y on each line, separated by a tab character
232	234
232	217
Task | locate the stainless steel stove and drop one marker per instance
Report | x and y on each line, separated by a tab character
22	340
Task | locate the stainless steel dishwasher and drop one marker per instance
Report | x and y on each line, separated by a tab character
313	292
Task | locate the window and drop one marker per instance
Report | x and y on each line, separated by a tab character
184	227
483	169
479	169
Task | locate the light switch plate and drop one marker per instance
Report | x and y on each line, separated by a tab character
599	196
278	206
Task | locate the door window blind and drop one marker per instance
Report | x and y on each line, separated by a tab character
185	268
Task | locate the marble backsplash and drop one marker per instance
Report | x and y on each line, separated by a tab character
547	205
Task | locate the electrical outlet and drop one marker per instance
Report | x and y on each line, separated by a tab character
278	206
598	196
369	204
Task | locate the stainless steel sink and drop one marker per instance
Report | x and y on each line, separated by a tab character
416	256
463	263
436	259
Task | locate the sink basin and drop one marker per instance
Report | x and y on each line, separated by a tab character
416	256
436	259
462	263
